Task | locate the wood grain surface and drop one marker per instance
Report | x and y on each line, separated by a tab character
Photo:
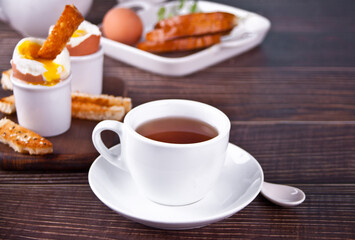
73	211
292	106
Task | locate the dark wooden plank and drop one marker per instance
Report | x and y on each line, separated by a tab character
303	16
73	212
301	153
42	177
265	93
288	152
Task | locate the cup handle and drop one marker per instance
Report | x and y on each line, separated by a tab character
117	127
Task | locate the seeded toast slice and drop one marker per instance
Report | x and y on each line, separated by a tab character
22	139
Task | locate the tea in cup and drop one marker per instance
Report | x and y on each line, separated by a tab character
174	149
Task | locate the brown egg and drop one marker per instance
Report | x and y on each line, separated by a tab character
122	25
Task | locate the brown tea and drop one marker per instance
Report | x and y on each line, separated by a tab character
177	130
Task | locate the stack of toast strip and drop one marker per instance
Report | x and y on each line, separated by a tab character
84	106
188	32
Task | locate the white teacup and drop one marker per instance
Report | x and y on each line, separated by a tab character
33	17
169	174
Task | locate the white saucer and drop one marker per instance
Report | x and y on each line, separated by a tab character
239	184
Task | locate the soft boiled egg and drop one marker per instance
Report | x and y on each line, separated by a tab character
29	50
28	67
122	25
85	40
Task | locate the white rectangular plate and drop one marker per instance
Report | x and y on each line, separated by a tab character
250	32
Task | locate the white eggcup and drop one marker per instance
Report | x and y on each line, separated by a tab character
168	173
87	72
45	110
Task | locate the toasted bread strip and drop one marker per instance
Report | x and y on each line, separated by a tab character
66	25
92	111
23	140
103	100
181	44
197	18
6	83
194	24
7	104
99	107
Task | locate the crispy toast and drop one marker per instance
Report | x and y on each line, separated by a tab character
92	111
6	83
181	44
7	104
99	107
66	25
23	140
194	24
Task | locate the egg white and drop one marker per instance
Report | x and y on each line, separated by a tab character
35	68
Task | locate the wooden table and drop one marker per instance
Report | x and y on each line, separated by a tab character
292	106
